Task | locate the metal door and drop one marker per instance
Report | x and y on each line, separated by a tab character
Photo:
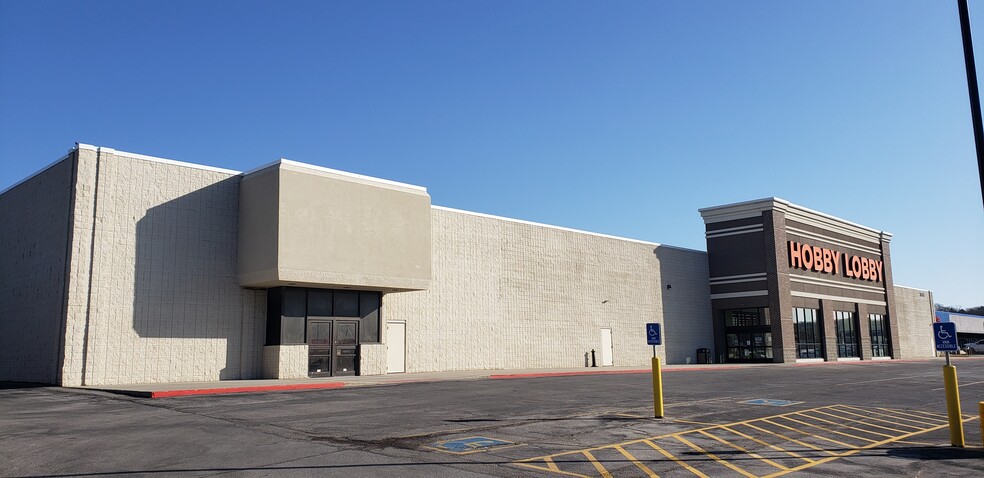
345	344
606	347
396	347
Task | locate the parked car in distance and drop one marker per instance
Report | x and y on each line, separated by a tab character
975	347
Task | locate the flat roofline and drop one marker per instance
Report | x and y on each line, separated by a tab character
322	169
782	204
560	228
38	172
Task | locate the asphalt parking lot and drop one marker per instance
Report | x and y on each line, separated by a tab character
875	419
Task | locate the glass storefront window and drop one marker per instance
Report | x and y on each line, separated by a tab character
879	335
809	338
847	334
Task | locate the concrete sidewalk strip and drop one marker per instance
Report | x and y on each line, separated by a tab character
166	390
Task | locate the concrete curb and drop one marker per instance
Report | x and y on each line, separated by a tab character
210	389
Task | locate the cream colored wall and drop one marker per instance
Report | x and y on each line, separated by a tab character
162	303
259	222
334	230
914	317
507	294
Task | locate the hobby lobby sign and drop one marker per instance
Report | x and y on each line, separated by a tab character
821	259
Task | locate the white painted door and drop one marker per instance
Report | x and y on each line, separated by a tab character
396	347
606	347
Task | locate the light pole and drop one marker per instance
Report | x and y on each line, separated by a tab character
975	97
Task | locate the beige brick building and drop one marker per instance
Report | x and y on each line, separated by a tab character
123	268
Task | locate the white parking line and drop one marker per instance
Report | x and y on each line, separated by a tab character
962	385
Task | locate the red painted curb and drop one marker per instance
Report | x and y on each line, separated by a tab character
265	388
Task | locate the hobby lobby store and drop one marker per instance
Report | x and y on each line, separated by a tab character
122	268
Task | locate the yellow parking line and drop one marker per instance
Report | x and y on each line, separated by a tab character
921	420
636	462
696	423
831	440
829	430
940	417
784	437
749	452
713	456
546	463
895	415
866	447
551	467
760	442
844	426
675	459
866	423
594	461
869	417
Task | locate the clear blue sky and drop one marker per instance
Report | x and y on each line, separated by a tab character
617	117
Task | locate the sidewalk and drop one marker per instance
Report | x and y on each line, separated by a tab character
178	389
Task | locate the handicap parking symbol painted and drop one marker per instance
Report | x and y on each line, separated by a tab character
463	446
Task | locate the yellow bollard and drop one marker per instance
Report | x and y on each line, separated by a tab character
980	409
658	388
953	405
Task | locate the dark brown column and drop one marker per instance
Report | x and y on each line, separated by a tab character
777	278
893	330
864	330
829	330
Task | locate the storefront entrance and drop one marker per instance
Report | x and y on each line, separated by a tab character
332	347
748	335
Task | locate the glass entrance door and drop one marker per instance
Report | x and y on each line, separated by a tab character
319	348
748	335
346	344
332	347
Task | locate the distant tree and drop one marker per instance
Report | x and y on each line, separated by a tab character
979	310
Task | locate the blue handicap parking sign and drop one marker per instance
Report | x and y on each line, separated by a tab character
945	337
653	337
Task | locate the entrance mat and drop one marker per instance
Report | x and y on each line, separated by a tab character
771	402
464	446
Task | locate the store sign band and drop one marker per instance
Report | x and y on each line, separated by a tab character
821	259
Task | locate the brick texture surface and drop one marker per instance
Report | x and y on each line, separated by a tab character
154	294
914	315
285	361
34	238
506	294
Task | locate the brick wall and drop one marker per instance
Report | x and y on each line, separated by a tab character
162	302
507	294
686	303
34	240
914	315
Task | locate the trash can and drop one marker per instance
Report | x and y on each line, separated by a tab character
703	355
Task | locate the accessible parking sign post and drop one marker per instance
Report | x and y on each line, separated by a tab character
654	338
945	340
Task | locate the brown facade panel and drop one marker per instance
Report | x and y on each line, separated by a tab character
748	221
780	303
828	233
893	342
736	255
805	302
739	287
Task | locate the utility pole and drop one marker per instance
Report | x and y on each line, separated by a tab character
975	96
